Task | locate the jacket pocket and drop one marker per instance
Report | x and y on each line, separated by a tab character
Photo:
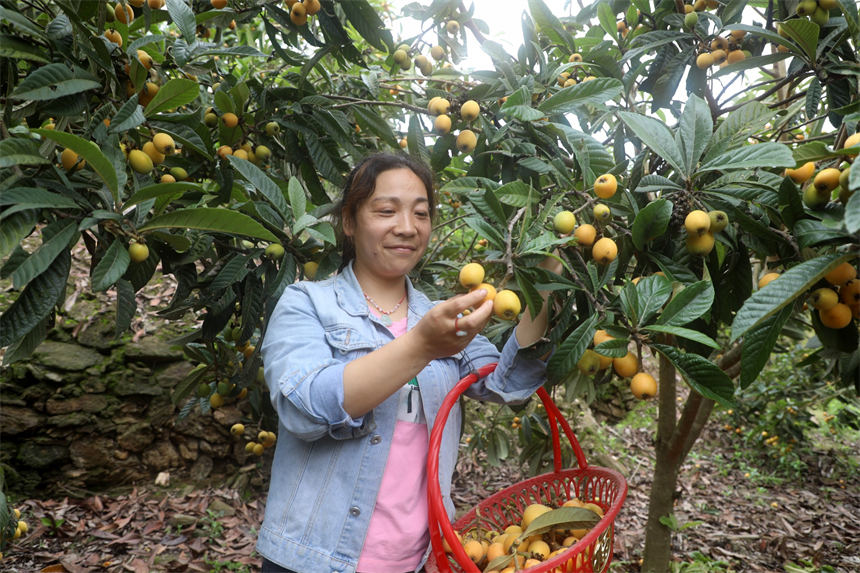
345	339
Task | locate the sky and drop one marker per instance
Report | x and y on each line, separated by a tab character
502	18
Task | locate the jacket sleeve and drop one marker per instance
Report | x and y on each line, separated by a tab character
305	378
517	376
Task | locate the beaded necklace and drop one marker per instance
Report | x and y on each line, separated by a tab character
385	318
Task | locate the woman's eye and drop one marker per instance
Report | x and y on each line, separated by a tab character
422	214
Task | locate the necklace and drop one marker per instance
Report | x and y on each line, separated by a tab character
385	318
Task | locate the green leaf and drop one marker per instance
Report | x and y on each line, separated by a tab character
517	194
606	17
262	183
298	200
813	151
687	333
568	353
160	189
561	517
24	347
592	157
811	232
370	121
234	270
16	49
53	81
804	32
646	43
614	347
550	25
688	304
768	154
15	229
182	15
19	151
237	51
519	106
126	306
129	116
782	291
754	63
738	125
24	198
36	301
651	222
174	93
852	209
111	267
415	139
654	134
90	152
652	292
595	92
701	374
694	132
210	219
44	256
758	343
366	21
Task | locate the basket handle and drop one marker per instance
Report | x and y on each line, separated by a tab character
440	526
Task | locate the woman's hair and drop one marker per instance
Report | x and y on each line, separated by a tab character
361	183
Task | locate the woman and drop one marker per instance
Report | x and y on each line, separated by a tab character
357	366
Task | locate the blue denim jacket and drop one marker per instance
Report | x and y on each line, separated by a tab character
328	466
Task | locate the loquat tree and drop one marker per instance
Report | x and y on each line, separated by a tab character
693	148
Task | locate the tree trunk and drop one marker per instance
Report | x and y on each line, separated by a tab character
675	439
658	537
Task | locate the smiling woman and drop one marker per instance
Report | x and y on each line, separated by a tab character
357	365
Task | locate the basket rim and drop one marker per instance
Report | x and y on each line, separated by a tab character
599	528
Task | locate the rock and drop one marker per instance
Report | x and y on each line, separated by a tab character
65	356
161	456
151	349
133	387
98	335
137	437
85	403
182	520
227	415
220	508
188	449
18	420
173	374
37	455
70	420
202	468
92	453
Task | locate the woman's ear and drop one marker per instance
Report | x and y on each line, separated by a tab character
347	223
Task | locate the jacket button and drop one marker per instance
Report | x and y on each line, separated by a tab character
376	439
354	511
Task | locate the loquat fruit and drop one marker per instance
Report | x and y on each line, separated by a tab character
585	235
507	304
643	386
605	186
604	251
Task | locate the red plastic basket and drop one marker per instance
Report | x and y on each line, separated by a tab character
605	487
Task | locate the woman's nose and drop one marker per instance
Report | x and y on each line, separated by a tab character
405	224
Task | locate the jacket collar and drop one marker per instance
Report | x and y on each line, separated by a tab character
351	298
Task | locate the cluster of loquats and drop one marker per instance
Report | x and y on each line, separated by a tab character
642	384
603	250
299	11
829	181
14	529
541	534
506	303
818	11
838	302
720	51
265	439
701	227
469	110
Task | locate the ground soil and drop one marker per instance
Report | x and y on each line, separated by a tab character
737	523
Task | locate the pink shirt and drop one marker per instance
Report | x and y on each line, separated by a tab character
398	535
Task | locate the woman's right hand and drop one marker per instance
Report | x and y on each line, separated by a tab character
445	331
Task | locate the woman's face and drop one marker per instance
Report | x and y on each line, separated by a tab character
392	227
